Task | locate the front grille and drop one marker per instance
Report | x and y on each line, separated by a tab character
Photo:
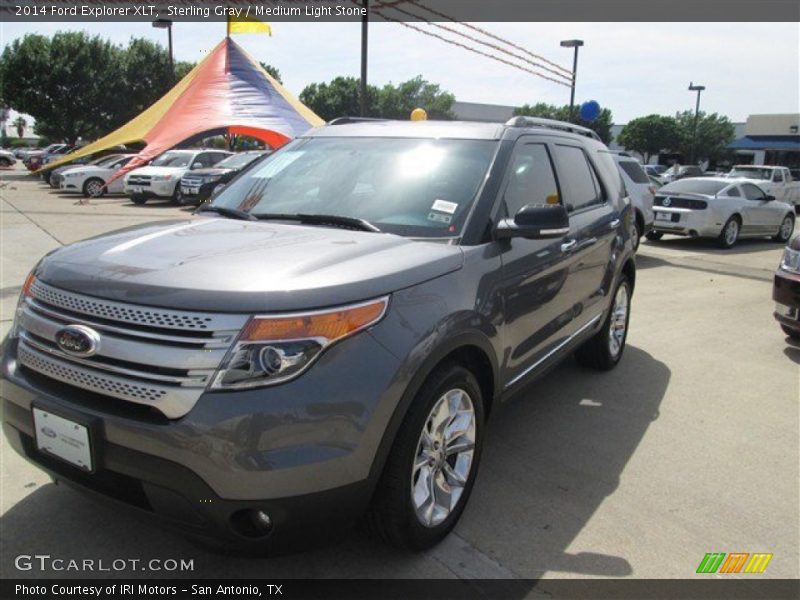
673	202
140	180
191	181
56	179
159	357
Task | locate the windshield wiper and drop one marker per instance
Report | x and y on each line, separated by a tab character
347	222
232	213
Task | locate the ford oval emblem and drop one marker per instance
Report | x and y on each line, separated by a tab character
78	340
48	432
667	201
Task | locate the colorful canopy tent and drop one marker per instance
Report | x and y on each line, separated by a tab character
226	92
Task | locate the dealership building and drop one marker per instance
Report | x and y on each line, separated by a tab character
770	140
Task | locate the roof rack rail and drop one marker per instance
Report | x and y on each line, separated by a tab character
551	124
346	120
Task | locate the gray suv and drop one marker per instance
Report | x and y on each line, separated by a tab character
323	343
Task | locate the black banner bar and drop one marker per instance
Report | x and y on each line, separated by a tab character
402	10
754	588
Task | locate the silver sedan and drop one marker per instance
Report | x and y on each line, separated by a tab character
721	208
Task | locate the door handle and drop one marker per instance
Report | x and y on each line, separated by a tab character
569	246
614	224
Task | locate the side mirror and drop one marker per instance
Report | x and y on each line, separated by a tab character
535	222
196	166
769	198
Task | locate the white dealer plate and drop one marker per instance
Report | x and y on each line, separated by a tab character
136	189
663	216
63	439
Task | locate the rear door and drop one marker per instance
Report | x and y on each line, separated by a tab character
593	228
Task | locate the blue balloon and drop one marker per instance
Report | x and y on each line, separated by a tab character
590	110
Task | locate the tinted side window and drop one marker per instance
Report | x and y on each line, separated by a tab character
752	192
531	178
581	188
734	192
634	171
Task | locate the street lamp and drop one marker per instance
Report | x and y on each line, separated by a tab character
364	52
698	89
167	24
572	44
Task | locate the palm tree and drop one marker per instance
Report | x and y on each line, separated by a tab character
20	124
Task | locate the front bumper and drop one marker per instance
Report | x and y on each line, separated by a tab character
302	452
156	189
203	193
684	221
786	294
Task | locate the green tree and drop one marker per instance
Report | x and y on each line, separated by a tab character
66	83
341	98
276	74
397	102
601	125
714	133
650	135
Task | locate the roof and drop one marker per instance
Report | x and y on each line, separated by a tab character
766	142
412	129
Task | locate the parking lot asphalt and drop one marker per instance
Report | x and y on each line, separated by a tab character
692	445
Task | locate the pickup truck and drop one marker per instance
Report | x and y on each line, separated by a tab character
775	181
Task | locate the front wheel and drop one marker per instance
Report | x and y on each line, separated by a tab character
94	188
792	333
654	236
138	199
786	229
604	350
729	234
433	463
4	162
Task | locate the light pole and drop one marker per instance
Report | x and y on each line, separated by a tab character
698	89
167	24
572	44
364	51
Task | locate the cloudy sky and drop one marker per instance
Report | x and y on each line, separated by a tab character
632	68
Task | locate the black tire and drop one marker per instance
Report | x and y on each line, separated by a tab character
783	237
177	196
137	199
596	352
725	240
636	234
46	177
90	184
391	516
654	236
4	162
792	333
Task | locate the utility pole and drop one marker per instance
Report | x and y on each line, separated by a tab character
167	24
364	51
698	89
573	44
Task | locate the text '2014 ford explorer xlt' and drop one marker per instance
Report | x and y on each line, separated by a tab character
325	340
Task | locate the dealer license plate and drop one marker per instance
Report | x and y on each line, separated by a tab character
191	191
663	216
62	438
136	189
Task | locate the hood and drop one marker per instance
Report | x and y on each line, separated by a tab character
224	265
152	171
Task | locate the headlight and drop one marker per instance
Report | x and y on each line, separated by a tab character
72	174
162	177
274	349
26	291
212	178
791	260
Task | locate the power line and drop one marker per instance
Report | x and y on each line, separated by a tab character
474	50
476	40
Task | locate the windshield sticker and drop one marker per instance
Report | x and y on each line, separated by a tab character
436	217
445	207
277	164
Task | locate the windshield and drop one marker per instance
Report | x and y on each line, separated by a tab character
411	187
751	173
173	159
103	160
238	161
694	186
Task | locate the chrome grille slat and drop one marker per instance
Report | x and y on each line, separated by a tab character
133	313
172	402
196	381
148	355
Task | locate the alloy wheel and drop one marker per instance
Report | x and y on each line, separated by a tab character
618	323
732	232
94	188
444	457
786	228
